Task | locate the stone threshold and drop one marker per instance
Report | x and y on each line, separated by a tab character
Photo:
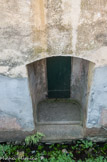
61	123
59	133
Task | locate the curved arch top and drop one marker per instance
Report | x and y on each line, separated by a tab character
45	56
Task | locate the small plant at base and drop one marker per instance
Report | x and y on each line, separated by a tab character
85	144
34	139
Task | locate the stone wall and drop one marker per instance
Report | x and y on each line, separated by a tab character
37	83
31	30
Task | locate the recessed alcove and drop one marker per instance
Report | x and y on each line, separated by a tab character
59	88
59	112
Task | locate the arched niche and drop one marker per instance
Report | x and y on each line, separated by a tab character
59	88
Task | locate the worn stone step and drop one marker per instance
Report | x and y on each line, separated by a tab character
50	111
58	133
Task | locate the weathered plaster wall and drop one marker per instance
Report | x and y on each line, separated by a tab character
92	25
32	30
15	37
68	29
97	105
15	105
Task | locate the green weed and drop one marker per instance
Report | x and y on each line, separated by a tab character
34	139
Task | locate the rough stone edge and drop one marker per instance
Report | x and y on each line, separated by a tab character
96	134
14	135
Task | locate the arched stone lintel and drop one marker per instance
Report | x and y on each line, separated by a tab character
47	56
